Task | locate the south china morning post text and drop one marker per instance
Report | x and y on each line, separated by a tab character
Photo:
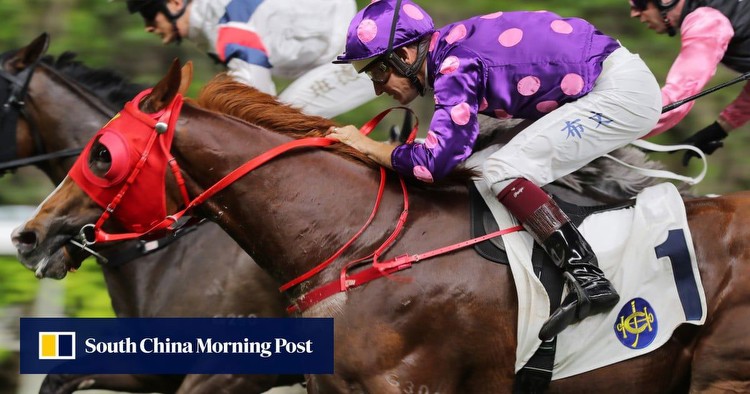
177	345
157	345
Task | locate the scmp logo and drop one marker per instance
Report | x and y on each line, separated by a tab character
57	345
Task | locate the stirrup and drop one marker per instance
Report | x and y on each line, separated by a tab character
568	312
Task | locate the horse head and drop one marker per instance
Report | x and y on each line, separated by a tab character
43	243
37	124
16	70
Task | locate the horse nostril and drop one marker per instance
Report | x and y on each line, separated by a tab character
24	241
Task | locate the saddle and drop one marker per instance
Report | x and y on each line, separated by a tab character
537	373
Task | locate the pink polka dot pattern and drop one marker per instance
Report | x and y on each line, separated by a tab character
458	32
510	37
449	65
572	84
431	140
434	40
502	114
484	104
423	174
547	106
460	114
413	12
494	15
561	27
528	85
367	30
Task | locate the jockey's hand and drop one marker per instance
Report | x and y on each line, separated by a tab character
708	140
380	152
348	135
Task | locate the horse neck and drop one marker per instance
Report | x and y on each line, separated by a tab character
64	115
293	212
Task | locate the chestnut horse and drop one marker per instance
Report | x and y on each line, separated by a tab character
446	325
203	273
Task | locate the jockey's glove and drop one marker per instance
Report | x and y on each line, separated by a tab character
709	139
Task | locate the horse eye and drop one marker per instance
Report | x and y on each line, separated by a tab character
100	160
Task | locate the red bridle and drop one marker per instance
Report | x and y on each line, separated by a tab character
143	141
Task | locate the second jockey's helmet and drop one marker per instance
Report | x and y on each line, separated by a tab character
149	8
662	5
379	28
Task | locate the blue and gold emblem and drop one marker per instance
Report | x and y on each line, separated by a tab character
636	324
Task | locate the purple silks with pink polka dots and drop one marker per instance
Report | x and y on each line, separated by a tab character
506	65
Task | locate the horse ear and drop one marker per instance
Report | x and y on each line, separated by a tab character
31	53
165	90
187	77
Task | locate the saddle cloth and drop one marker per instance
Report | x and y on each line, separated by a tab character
646	251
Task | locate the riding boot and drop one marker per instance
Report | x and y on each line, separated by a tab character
590	292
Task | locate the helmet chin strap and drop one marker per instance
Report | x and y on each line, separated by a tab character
173	18
411	71
670	29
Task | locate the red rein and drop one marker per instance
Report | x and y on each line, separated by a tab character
376	270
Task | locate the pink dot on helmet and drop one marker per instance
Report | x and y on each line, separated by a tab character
528	85
367	30
561	27
546	106
423	174
458	32
502	114
572	84
484	104
413	12
431	140
449	65
494	15
460	114
433	40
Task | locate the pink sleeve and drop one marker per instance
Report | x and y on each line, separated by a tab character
705	35
738	112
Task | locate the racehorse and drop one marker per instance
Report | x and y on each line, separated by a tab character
203	273
444	325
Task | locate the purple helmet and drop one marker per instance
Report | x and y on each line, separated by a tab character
370	31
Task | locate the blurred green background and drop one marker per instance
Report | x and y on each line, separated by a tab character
105	35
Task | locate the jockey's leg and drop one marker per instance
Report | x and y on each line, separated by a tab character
590	292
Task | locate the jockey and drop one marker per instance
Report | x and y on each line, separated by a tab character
259	39
711	32
587	93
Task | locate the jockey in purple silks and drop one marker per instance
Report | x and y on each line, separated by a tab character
258	39
587	93
711	32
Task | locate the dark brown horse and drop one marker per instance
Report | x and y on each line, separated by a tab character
204	273
451	329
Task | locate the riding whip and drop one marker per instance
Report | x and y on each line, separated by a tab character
676	104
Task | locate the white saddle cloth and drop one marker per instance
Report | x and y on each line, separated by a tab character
646	252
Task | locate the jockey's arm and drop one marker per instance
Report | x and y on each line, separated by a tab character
705	34
737	113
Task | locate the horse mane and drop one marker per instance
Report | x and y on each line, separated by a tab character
107	84
224	95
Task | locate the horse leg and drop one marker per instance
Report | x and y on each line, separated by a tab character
66	383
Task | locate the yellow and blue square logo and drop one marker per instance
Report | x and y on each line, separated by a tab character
57	345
